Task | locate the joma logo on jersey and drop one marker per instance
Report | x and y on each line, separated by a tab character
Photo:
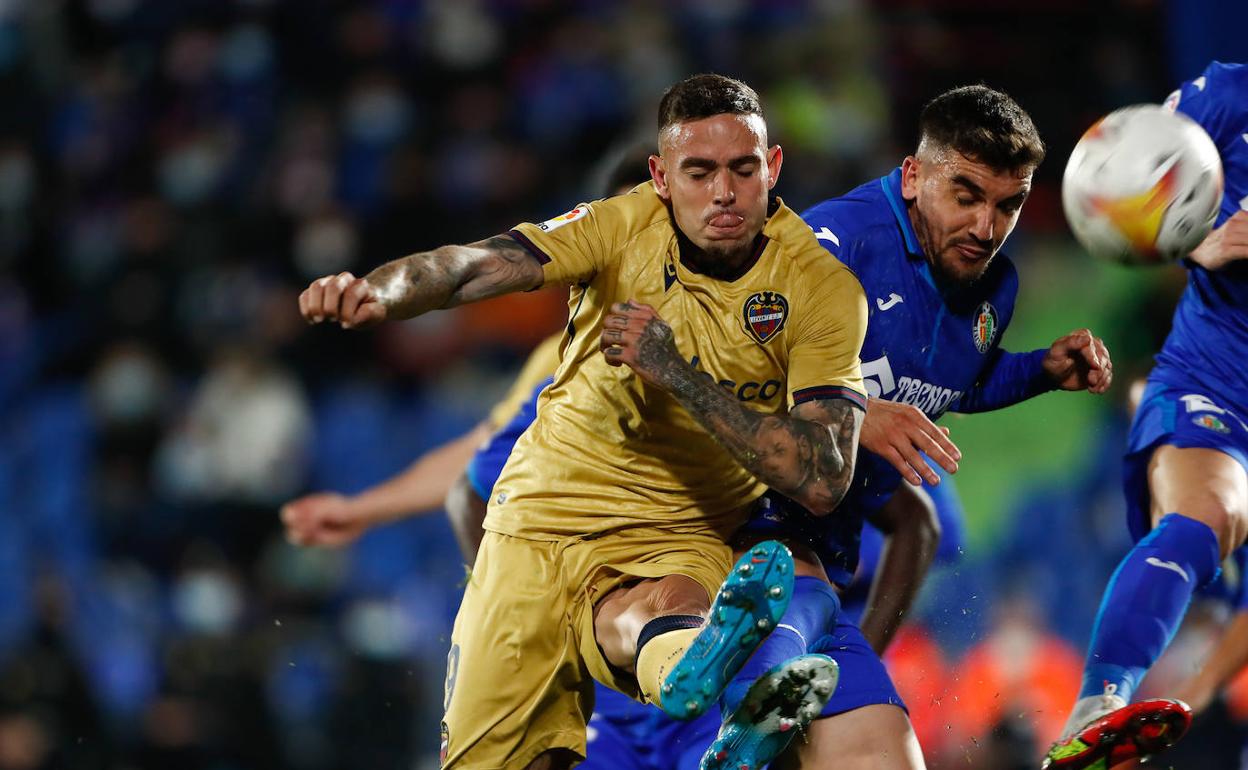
765	314
745	391
984	327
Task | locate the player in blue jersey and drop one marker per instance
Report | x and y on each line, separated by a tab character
923	241
1186	471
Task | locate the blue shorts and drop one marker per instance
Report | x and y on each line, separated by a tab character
1181	418
626	735
863	679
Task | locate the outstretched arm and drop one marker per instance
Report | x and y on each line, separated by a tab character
466	511
416	284
1076	361
807	455
911	535
330	519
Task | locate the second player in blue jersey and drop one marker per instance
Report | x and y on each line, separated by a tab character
924	242
1186	468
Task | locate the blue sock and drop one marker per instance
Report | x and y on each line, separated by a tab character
1145	601
811	613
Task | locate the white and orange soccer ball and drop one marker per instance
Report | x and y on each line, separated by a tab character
1142	186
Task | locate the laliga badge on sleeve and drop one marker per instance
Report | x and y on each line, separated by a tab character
563	219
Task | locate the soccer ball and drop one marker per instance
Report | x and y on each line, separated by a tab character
1143	186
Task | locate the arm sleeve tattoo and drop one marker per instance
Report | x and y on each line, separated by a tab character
455	275
807	454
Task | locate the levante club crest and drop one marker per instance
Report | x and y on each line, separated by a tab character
984	327
765	314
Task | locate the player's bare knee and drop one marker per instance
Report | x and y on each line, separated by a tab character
1234	516
620	616
674	595
876	737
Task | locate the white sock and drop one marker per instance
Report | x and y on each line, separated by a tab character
1088	710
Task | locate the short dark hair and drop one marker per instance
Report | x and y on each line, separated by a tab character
982	124
706	95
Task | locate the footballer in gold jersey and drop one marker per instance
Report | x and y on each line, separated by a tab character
711	352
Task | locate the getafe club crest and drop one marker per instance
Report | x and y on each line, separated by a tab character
1211	422
984	327
765	314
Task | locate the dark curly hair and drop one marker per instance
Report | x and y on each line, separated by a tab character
983	124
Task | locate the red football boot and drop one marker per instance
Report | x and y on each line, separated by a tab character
1139	730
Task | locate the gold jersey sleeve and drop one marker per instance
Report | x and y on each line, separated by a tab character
609	452
823	362
575	247
540	365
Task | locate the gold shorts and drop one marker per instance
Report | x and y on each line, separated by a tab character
523	657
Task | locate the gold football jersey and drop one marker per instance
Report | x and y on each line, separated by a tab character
607	451
540	364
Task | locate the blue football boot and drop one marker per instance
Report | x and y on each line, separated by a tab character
748	606
779	705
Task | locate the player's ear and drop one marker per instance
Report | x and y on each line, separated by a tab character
910	178
775	158
658	172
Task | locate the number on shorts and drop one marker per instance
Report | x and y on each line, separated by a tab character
452	670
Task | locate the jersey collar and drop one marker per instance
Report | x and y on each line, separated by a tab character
892	193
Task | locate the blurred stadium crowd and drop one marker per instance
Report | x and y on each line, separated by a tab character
171	173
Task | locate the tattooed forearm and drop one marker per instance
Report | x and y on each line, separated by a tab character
497	266
454	275
807	454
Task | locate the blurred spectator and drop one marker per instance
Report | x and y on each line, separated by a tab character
1016	682
243	436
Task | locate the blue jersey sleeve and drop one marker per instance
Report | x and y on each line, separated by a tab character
1214	101
1007	379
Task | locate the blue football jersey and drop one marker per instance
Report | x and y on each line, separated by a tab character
1208	342
923	347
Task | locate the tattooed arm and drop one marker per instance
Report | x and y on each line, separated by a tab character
416	284
807	455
